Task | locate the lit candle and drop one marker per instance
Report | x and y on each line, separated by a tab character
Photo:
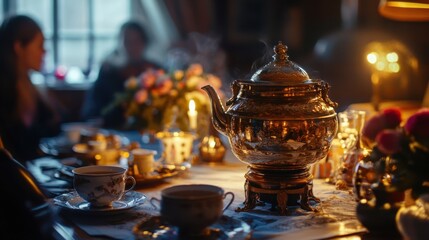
192	115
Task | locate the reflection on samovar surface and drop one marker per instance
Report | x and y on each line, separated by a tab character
279	143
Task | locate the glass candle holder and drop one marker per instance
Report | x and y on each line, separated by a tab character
212	149
177	146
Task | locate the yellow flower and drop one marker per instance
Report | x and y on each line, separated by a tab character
174	93
178	75
197	96
193	81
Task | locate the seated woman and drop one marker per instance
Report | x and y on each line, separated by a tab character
125	62
25	116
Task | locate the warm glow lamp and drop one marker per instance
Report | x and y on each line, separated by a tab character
386	60
405	10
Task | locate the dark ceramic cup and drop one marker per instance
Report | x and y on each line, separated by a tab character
192	208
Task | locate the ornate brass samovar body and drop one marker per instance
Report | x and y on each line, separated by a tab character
279	123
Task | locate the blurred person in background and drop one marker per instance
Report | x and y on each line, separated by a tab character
126	61
25	115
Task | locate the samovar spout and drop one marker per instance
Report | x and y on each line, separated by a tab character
219	117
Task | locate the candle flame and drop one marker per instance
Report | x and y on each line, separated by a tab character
192	105
212	142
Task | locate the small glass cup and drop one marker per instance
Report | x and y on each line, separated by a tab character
351	124
364	177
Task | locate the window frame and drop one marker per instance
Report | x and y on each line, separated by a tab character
10	7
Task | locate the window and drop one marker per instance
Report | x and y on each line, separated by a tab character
107	24
41	11
79	33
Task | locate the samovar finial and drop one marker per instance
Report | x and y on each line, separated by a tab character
280	55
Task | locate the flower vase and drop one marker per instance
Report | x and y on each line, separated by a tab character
378	214
356	152
413	221
364	177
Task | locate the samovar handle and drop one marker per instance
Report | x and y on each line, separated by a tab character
235	88
325	89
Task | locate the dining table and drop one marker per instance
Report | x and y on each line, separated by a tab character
334	217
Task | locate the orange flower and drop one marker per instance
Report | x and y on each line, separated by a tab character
164	87
194	70
148	78
131	83
141	96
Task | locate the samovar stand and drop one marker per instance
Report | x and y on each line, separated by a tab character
280	187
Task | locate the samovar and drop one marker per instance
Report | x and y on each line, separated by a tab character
279	123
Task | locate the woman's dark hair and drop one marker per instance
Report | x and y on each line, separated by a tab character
17	28
137	27
116	56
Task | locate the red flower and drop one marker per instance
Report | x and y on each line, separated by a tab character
389	118
389	141
418	125
392	117
373	126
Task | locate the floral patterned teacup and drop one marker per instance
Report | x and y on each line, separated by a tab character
101	185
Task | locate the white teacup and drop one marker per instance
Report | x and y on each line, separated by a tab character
72	130
97	146
192	208
144	160
101	185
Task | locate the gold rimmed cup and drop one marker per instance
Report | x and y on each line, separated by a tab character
101	185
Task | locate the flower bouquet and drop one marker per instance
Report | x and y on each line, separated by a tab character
400	156
155	99
400	151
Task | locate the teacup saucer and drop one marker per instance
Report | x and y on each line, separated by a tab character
225	228
72	201
161	173
56	146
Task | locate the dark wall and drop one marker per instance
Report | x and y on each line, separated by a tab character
249	28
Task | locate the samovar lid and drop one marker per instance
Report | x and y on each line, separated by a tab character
281	70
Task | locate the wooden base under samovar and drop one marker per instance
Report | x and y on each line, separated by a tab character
279	187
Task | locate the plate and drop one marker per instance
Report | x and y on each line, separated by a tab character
161	173
72	201
226	228
56	146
